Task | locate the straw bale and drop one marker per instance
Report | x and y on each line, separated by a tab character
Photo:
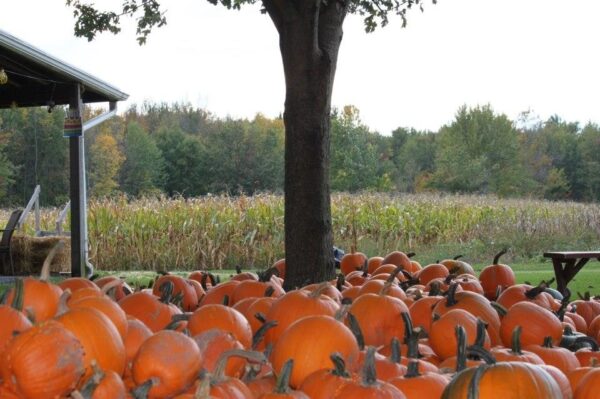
29	253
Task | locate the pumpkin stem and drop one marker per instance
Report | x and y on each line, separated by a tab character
339	282
396	354
17	302
203	390
498	255
253	356
481	331
320	289
516	341
501	310
408	326
394	274
87	390
260	317
341	313
410	254
435	288
45	273
473	390
535	291
111	285
339	365
238	269
369	372
141	392
282	385
547	342
356	330
260	333
62	302
412	369
461	354
269	291
481	353
451	299
166	291
457	257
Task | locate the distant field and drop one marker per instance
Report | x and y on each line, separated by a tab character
220	232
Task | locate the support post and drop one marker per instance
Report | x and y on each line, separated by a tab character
76	192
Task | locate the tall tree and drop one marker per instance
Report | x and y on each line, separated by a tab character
310	34
104	165
143	170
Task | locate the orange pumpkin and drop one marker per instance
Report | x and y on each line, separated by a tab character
99	337
168	362
222	317
313	354
46	361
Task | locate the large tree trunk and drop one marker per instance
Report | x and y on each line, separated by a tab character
310	34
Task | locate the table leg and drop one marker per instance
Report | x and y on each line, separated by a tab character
561	283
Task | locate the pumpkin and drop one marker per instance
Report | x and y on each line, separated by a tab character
496	277
295	305
243	276
535	321
181	289
589	385
432	271
254	289
353	261
373	263
477	305
13	319
40	298
103	385
46	361
515	353
456	266
108	307
379	316
442	337
400	259
561	379
166	364
562	358
282	389
506	380
222	317
77	283
155	313
99	337
220	294
137	333
212	344
313	354
368	386
323	383
415	385
121	290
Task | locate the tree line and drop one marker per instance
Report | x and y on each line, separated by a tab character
180	150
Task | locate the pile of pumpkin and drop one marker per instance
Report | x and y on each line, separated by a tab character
386	328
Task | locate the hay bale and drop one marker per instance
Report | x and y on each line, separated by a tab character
29	253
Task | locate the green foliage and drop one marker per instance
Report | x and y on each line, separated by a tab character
104	164
354	160
185	163
477	153
143	169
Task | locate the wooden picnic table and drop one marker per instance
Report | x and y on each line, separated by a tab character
568	264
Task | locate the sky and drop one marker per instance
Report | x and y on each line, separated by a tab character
515	55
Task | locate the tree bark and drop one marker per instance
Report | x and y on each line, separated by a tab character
310	34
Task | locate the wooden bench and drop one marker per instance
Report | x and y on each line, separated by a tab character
568	264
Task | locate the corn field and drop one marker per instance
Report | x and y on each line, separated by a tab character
216	232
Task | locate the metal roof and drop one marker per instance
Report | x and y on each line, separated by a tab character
35	78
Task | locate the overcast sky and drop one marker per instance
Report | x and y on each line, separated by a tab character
516	55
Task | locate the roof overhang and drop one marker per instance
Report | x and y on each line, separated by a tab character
35	78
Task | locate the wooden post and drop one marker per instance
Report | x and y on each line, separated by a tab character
75	173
